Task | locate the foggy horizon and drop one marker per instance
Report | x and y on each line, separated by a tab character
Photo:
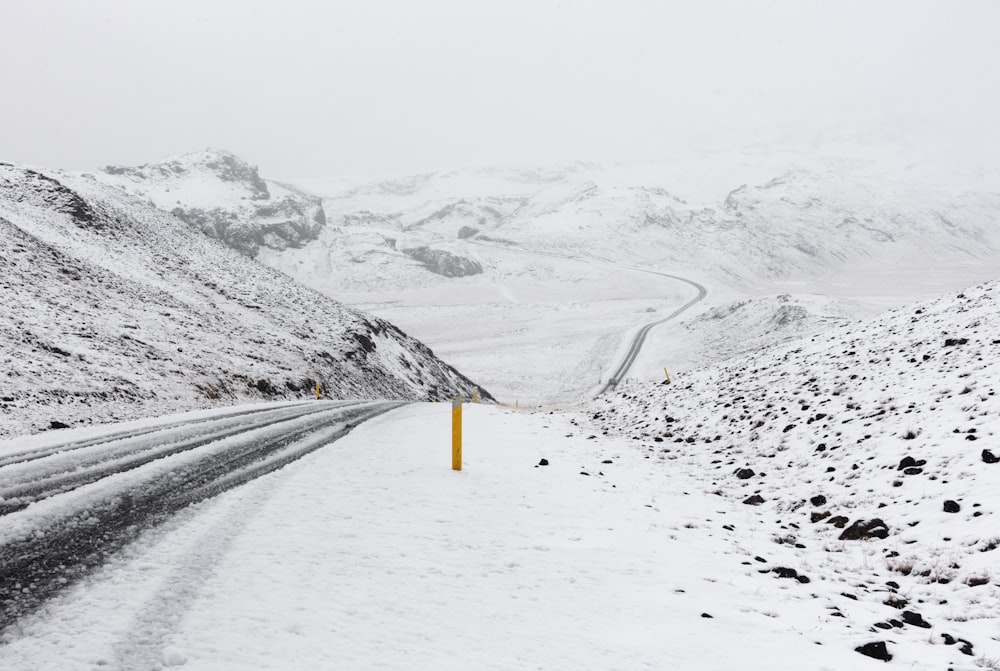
304	89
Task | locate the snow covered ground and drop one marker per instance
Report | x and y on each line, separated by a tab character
871	453
625	550
372	553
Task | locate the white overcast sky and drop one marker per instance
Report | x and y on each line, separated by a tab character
322	88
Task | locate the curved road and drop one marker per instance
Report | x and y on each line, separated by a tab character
65	508
621	370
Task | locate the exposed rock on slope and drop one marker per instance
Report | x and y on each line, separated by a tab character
113	310
223	196
443	262
868	449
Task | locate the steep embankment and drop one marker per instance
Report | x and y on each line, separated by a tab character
113	309
868	454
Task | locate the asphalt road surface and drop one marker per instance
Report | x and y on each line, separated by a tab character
65	508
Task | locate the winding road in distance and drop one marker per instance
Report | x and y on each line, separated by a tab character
621	370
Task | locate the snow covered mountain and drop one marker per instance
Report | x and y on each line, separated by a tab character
223	196
438	253
868	455
113	309
794	222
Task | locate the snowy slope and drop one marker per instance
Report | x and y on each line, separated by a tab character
113	309
441	253
868	454
222	195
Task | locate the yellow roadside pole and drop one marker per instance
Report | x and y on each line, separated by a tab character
667	374
317	390
456	434
515	403
475	396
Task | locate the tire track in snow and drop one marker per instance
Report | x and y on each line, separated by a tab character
621	370
52	545
57	472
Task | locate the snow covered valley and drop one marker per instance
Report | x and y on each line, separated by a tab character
816	488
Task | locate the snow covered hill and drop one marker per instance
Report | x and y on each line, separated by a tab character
222	195
868	454
113	309
441	253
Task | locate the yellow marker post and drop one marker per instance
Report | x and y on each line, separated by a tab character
475	397
317	391
456	434
667	374
515	403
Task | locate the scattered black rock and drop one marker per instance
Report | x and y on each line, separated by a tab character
915	619
876	649
543	462
817	516
951	506
607	461
838	521
818	500
706	615
55	424
896	602
754	500
989	457
910	462
952	342
873	528
744	473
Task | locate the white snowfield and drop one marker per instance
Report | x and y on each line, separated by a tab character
841	233
372	553
533	281
826	503
639	544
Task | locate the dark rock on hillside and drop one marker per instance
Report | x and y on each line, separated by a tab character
873	528
744	473
818	500
51	194
915	619
952	506
876	649
754	500
444	262
990	458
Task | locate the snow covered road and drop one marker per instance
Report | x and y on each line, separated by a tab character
66	505
375	554
639	337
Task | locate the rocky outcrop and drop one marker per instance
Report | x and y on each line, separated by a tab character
224	197
444	262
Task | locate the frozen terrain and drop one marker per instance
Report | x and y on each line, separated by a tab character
532	281
825	504
113	310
